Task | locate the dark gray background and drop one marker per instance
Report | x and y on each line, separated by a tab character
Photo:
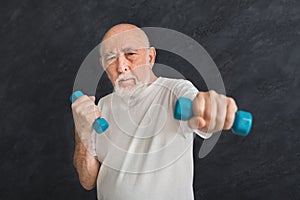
255	44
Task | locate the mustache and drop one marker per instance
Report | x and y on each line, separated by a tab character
123	77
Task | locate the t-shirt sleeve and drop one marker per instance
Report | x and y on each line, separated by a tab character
185	88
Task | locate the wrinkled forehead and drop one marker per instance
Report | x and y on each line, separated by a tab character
130	39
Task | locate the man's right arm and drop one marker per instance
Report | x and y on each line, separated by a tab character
87	166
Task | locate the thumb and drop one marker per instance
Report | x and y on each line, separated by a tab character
97	112
93	98
197	123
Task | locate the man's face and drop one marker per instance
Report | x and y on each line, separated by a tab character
126	58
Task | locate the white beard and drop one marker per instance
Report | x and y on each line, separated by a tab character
129	92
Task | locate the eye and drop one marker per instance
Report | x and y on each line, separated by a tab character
130	53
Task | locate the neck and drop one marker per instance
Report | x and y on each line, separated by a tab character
152	78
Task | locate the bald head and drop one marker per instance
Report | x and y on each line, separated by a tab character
117	29
125	34
123	29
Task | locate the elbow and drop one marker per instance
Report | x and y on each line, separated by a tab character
87	185
87	181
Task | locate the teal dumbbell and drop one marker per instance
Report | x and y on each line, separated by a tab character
242	122
100	124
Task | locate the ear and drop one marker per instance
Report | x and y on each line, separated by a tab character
152	56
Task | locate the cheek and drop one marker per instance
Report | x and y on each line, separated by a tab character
143	60
142	73
138	66
113	80
113	76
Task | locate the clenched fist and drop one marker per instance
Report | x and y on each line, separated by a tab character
85	112
212	112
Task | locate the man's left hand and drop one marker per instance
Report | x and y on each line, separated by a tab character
212	112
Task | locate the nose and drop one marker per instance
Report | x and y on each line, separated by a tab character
122	63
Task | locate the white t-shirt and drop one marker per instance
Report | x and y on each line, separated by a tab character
145	153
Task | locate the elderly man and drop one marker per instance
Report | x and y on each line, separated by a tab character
145	153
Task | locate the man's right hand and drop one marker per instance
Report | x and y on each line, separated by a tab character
85	112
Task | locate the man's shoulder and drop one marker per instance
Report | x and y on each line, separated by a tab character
172	81
180	87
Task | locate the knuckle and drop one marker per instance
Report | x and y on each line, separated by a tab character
199	95
231	101
81	113
211	92
221	99
76	110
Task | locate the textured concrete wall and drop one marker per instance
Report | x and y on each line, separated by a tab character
255	44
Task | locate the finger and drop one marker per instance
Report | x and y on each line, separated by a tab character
221	112
87	100
83	106
97	111
230	115
93	109
92	116
198	105
93	98
210	110
87	108
196	123
79	100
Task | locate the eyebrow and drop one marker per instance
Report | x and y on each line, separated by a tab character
109	54
126	49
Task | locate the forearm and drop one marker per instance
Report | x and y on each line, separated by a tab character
87	166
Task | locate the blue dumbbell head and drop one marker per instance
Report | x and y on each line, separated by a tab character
242	122
75	96
183	109
100	124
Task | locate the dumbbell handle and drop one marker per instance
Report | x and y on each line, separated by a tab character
242	122
100	124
